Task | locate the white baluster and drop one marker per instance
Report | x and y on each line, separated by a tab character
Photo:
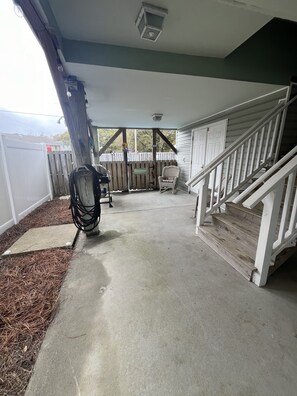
227	176
267	140
213	187
287	206
247	159
254	153
274	136
260	148
234	169
220	171
240	164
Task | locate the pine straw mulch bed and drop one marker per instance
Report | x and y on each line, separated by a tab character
29	292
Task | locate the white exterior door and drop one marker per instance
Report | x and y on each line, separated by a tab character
207	143
199	141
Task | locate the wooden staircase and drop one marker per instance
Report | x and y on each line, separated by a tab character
234	236
250	173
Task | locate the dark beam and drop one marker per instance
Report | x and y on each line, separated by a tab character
125	152
80	133
165	140
154	145
155	158
110	141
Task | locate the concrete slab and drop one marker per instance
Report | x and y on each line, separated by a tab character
60	236
148	309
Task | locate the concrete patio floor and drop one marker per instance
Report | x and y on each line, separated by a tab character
148	309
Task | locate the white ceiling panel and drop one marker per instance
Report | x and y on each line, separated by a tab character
128	98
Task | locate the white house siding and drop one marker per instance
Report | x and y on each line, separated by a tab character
183	144
240	118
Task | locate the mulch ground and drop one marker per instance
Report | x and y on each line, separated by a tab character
29	293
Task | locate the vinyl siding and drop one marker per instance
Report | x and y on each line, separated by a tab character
183	144
240	119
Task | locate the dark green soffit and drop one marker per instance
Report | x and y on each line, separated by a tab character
269	56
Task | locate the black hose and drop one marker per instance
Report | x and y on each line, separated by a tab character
85	218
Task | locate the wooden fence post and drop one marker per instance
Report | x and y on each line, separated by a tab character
125	153
155	158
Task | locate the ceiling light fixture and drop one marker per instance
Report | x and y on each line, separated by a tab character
150	21
157	116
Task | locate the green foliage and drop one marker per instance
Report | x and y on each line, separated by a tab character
63	137
105	135
144	139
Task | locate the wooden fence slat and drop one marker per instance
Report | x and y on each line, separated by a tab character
61	165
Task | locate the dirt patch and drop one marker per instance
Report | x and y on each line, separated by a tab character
29	291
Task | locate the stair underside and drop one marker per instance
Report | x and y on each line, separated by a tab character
234	235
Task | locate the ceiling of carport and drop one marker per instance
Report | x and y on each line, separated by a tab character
204	27
128	98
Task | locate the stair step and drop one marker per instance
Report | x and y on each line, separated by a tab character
254	216
228	247
244	231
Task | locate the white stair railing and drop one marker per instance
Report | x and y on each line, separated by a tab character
250	189
278	228
230	172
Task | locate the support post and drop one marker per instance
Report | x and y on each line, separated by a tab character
125	153
94	132
72	98
266	238
79	131
80	143
155	158
202	202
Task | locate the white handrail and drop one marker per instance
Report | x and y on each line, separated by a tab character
278	109
269	186
265	176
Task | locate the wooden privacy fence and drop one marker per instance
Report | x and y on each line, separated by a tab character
142	175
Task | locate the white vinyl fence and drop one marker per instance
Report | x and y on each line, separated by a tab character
161	156
24	179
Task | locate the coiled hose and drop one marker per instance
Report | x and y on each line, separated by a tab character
85	218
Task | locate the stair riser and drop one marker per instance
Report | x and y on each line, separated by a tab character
217	246
251	217
249	242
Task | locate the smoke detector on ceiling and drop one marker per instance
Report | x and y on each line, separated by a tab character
150	21
157	116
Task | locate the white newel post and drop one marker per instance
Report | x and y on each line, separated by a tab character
202	202
266	239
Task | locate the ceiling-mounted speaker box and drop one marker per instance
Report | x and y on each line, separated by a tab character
150	21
